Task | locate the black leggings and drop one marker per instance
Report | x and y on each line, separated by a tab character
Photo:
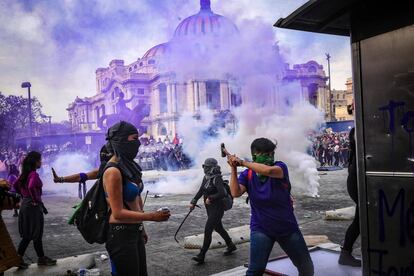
38	246
353	231
126	249
215	213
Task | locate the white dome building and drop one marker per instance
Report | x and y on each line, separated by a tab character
155	81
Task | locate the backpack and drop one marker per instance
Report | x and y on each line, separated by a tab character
91	216
228	198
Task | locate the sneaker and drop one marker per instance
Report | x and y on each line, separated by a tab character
22	265
46	261
230	248
347	259
199	259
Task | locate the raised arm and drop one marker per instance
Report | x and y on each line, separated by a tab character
236	189
74	178
271	171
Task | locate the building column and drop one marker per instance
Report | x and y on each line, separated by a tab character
202	93
196	96
224	96
155	100
169	98
189	94
174	98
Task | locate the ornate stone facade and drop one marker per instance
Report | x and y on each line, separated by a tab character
147	93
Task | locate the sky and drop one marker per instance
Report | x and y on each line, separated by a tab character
57	45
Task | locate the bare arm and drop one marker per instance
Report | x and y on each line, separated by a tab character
113	185
236	189
74	178
271	171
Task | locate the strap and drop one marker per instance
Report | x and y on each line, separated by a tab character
249	175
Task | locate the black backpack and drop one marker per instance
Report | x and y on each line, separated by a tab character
92	216
228	198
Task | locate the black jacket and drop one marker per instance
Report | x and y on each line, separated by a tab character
212	189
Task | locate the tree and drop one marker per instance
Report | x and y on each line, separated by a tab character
14	117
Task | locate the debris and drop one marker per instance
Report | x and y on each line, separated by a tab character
313	240
347	213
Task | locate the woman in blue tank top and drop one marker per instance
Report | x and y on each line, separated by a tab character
123	187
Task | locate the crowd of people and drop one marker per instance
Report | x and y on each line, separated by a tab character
164	157
331	149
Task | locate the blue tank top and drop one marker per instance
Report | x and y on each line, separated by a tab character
130	191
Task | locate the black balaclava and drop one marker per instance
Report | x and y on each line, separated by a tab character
125	150
104	156
211	168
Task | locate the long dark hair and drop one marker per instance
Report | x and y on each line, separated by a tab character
28	166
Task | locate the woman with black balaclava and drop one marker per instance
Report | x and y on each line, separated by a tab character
212	190
123	187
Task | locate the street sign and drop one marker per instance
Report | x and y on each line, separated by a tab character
88	140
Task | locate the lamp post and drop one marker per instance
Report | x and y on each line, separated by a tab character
28	85
331	115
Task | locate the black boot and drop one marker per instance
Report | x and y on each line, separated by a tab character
22	264
45	261
199	258
347	259
230	248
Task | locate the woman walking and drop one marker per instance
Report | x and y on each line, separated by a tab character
31	220
123	187
212	190
11	178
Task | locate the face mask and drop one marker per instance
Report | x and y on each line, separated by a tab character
128	149
207	169
264	159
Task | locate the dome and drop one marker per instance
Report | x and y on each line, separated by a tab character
157	50
205	22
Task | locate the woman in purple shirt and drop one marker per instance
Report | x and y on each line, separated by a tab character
272	217
31	220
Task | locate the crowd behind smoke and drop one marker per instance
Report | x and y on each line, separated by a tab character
323	149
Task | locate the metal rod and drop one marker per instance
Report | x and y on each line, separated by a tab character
179	227
389	174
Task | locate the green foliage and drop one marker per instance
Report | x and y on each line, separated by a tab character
14	117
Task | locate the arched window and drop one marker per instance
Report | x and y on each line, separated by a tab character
162	88
312	69
103	110
97	113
